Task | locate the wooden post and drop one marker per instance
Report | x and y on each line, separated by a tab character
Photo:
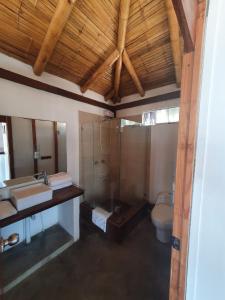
185	159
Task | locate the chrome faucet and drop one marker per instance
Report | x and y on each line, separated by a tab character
42	174
10	241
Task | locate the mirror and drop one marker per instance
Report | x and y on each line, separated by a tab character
28	146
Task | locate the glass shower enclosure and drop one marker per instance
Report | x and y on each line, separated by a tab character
114	163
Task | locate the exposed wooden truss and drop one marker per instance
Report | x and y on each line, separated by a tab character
122	28
123	19
186	11
132	72
58	22
89	36
101	70
175	40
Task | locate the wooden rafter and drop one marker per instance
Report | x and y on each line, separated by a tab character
186	11
175	40
58	22
132	72
101	70
109	95
122	28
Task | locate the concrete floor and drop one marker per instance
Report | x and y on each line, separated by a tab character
26	256
97	269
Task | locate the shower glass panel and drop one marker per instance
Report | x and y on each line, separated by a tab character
113	163
99	162
134	159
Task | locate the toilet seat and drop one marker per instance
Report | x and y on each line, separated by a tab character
162	216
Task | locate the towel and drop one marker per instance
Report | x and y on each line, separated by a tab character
6	209
59	180
61	186
100	217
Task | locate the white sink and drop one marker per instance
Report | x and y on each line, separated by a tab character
11	184
28	196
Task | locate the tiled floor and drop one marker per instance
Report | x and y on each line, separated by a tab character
97	269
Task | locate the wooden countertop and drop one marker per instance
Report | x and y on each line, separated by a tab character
59	196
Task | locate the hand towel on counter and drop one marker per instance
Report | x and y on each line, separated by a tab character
6	209
100	217
61	186
59	180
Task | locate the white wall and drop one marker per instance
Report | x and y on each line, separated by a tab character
143	108
22	101
151	93
206	261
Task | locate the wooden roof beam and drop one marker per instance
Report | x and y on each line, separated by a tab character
132	72
101	70
109	95
58	22
122	29
186	11
175	40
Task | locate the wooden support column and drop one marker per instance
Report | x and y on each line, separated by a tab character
58	22
175	40
101	70
132	72
185	159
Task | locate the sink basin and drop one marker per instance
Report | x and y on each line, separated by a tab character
28	196
11	184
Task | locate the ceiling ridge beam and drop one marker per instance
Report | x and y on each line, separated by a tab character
128	64
122	29
175	40
101	70
57	24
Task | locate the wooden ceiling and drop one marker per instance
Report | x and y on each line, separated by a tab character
92	42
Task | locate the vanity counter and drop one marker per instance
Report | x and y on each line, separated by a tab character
59	197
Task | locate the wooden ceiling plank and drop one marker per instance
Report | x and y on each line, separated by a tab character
132	72
175	40
58	22
186	11
101	70
122	29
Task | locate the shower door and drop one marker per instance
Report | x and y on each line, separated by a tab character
99	163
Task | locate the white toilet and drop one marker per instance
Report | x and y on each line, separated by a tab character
162	217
